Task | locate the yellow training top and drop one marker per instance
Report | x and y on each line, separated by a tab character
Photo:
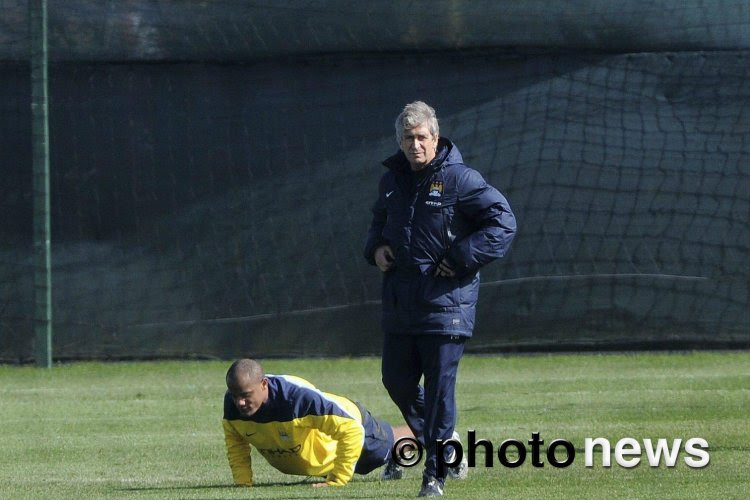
299	430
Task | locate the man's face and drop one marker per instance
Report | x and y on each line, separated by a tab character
419	146
248	397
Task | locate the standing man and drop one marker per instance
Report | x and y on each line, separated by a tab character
435	223
299	429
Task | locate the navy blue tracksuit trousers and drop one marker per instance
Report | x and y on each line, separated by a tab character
429	411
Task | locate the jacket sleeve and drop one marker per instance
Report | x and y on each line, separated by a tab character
375	237
492	220
349	435
238	454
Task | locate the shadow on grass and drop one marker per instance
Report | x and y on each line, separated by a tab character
211	486
306	492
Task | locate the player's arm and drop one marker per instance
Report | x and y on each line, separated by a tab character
494	221
349	435
337	418
238	454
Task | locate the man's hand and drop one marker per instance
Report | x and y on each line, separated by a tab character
444	269
384	258
320	485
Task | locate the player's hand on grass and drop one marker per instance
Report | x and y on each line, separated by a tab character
384	258
320	485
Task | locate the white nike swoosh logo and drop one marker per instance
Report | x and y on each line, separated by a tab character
388	194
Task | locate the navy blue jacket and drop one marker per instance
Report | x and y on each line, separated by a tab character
445	210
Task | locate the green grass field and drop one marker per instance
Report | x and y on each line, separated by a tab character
152	430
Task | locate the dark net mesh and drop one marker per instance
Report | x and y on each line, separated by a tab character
205	209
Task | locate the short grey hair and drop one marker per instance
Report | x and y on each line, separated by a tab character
414	114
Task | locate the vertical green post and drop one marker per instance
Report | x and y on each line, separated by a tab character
41	184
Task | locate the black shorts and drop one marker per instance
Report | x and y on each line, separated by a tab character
378	442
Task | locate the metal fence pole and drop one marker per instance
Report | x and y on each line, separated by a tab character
41	184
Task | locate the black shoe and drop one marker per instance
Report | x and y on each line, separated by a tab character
392	471
431	487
